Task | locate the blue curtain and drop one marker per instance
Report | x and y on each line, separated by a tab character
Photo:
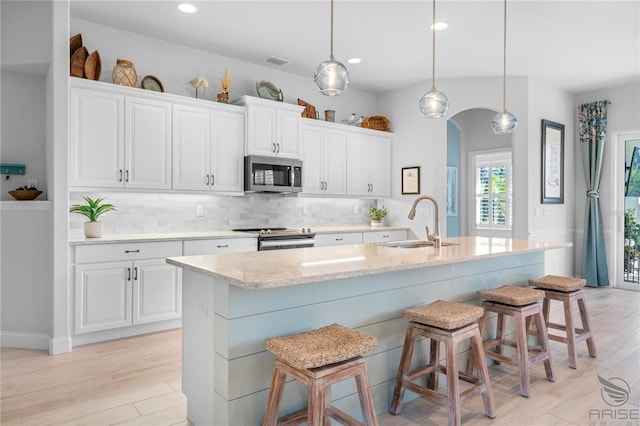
592	123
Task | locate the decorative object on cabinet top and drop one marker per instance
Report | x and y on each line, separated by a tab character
377	122
268	90
197	83
124	73
93	66
225	87
76	65
150	82
81	63
25	193
75	43
309	110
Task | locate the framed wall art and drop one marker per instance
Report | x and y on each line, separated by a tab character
552	162
411	180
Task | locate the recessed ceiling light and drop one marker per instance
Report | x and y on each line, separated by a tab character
439	26
187	8
354	60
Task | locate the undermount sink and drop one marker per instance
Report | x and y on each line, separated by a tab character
415	244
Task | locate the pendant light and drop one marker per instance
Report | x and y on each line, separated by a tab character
504	122
434	104
332	78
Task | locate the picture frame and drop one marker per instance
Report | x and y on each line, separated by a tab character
452	191
552	173
411	180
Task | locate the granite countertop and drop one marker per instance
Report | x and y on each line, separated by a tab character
175	236
280	268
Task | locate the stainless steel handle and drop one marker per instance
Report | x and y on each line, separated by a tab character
128	274
299	242
132	251
126	174
120	178
207	180
278	145
222	245
386	236
273	147
213	180
135	273
339	239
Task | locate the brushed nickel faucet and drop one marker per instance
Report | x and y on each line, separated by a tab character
435	237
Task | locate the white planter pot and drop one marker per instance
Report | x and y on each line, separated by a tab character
93	229
376	223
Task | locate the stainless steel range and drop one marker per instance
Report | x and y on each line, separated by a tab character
282	238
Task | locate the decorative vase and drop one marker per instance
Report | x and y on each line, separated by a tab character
124	73
93	229
223	97
376	223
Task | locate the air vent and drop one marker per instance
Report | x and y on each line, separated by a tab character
276	61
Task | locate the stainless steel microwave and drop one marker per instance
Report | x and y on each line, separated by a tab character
272	174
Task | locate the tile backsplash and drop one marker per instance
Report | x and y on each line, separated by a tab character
158	212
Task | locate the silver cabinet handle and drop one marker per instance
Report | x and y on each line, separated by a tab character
339	239
213	180
128	274
273	147
386	236
132	251
222	245
120	178
278	145
126	174
135	273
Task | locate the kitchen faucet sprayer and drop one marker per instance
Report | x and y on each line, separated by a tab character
412	214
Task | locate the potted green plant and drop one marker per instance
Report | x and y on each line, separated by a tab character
92	210
376	215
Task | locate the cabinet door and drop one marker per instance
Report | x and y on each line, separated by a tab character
220	245
383	236
96	139
227	151
379	154
358	170
287	134
102	296
157	291
147	144
338	239
312	148
335	161
191	148
261	128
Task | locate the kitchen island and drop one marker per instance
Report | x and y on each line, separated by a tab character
232	302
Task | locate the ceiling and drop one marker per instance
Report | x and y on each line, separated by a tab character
578	46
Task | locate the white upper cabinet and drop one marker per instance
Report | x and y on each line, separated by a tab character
324	159
208	149
272	127
119	141
369	160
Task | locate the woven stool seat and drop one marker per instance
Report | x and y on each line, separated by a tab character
512	295
327	345
559	283
318	359
445	315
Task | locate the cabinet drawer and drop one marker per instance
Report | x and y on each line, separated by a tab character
338	239
383	236
220	245
127	251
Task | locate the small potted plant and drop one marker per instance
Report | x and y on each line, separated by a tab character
92	210
376	215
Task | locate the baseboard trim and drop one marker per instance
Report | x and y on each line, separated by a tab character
119	333
59	345
24	340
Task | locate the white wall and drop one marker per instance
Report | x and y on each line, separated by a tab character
26	30
623	116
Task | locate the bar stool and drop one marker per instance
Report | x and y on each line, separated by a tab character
451	323
523	304
567	290
318	359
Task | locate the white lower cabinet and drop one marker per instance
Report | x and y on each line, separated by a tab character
122	285
338	239
383	236
220	245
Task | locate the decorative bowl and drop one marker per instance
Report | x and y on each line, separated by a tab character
25	194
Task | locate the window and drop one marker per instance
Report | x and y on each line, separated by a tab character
493	190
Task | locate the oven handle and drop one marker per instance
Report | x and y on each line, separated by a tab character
299	242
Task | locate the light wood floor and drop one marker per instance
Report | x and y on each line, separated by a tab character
137	380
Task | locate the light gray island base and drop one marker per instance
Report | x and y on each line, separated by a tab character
233	302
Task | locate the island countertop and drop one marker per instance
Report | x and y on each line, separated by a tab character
280	268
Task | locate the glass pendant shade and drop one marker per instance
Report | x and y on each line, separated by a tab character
332	77
504	123
434	104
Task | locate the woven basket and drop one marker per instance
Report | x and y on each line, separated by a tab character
124	73
377	122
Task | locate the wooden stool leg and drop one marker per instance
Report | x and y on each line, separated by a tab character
473	360
546	305
453	386
584	315
477	352
275	396
366	398
434	360
499	335
543	337
403	369
316	403
571	331
523	353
